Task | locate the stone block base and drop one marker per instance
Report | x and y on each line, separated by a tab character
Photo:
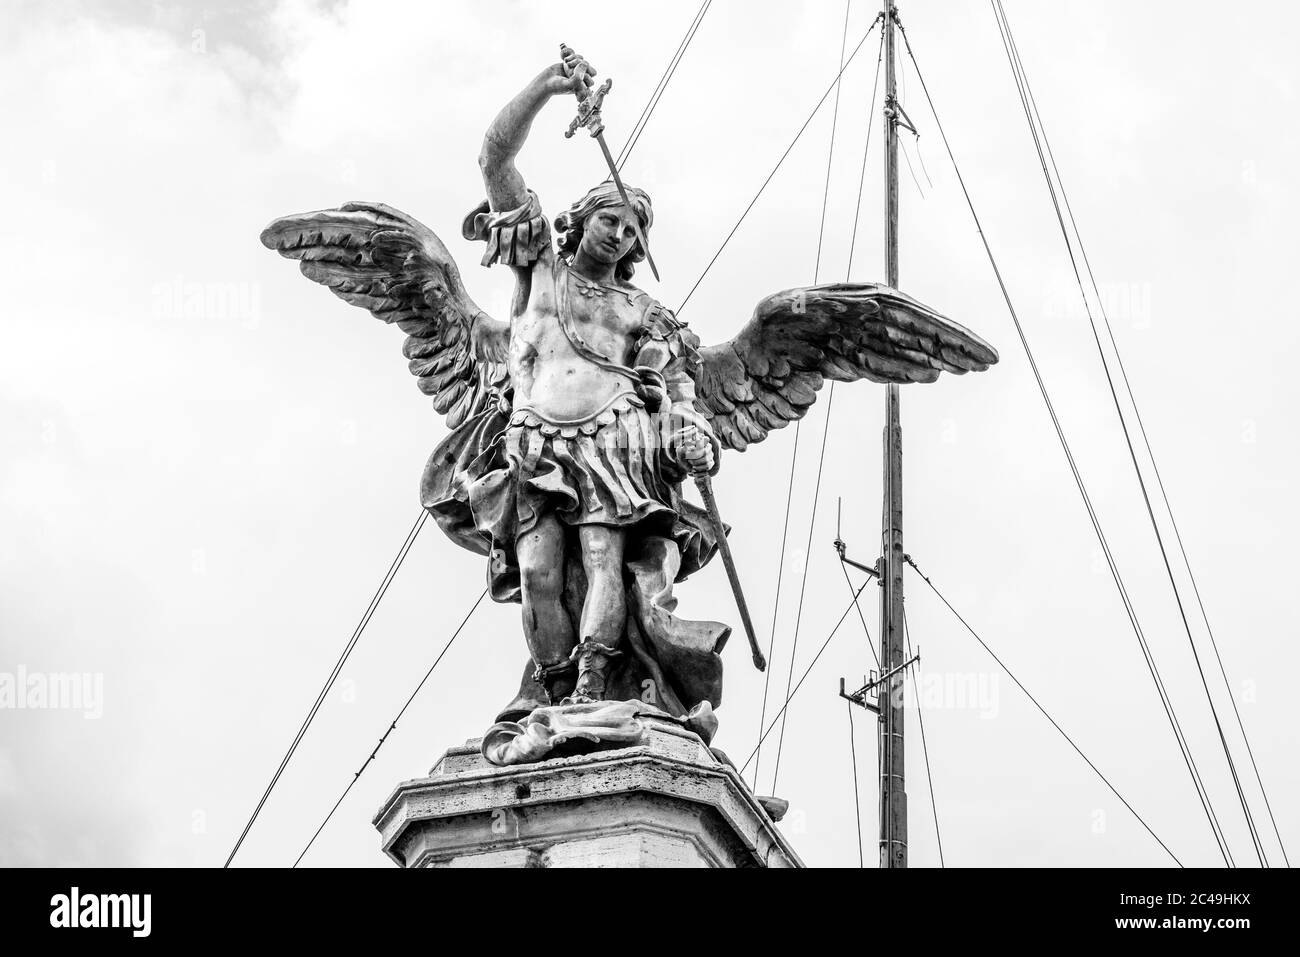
667	802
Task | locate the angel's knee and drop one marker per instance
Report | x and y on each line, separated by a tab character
541	582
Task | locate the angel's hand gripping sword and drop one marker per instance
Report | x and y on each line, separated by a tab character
589	117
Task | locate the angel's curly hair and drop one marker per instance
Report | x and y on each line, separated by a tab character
569	224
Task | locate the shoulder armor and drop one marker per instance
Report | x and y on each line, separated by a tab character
515	237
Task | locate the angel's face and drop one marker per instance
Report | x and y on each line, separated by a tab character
609	234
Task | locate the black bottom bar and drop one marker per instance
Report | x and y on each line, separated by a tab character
386	906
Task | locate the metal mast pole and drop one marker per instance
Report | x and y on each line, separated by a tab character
893	797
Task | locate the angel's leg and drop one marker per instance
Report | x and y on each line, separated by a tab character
547	627
604	610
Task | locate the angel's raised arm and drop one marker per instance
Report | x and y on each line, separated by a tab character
504	139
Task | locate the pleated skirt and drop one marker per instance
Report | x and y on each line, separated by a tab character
606	470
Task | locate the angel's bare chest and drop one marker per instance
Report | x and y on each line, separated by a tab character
560	377
610	325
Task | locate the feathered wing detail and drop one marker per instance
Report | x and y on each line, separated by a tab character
768	375
377	257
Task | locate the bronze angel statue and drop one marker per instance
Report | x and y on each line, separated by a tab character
575	420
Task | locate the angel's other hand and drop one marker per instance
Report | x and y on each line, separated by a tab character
695	451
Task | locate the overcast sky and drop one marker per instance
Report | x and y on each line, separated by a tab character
208	462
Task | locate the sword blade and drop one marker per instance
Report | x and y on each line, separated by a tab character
705	485
622	191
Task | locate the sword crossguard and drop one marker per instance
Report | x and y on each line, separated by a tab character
589	112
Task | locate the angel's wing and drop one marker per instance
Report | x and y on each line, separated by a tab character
379	258
769	374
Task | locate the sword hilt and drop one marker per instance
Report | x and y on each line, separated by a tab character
590	99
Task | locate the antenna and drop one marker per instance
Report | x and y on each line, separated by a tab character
893	796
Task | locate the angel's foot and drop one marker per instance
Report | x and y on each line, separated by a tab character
558	679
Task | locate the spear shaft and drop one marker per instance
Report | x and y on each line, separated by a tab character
705	485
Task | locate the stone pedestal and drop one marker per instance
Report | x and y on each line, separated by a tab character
666	802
